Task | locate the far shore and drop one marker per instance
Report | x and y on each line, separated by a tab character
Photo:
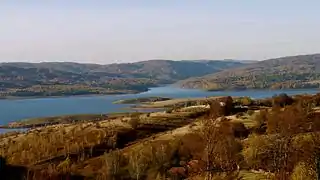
137	92
9	127
63	96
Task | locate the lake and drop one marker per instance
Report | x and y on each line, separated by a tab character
13	110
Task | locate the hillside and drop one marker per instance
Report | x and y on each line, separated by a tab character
280	73
66	78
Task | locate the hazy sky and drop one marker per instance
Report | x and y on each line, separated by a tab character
107	31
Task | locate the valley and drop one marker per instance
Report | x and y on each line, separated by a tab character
159	90
174	133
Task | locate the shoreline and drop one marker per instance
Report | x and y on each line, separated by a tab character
158	105
9	128
67	96
250	89
148	107
83	95
138	92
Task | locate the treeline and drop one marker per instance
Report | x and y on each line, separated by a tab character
67	90
24	93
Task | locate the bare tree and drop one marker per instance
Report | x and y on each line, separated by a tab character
138	164
221	149
113	162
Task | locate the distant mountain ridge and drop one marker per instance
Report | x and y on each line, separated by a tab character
67	77
160	69
279	73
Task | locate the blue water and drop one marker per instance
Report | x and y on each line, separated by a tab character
12	110
13	130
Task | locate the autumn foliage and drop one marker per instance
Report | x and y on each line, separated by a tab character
283	140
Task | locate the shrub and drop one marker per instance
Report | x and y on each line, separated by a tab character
217	109
221	148
138	164
246	101
312	100
153	159
265	152
228	176
305	148
316	99
303	171
264	102
134	122
239	114
192	146
292	120
239	130
261	122
228	108
281	154
169	111
250	112
114	161
282	100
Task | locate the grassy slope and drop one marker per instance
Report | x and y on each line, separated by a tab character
85	132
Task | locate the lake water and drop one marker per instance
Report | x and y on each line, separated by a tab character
12	110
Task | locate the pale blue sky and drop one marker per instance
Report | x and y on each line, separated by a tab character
108	31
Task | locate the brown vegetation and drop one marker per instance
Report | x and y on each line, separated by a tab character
283	143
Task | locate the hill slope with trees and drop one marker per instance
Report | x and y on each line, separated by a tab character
66	78
280	73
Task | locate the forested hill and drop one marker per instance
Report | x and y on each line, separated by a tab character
287	72
66	78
